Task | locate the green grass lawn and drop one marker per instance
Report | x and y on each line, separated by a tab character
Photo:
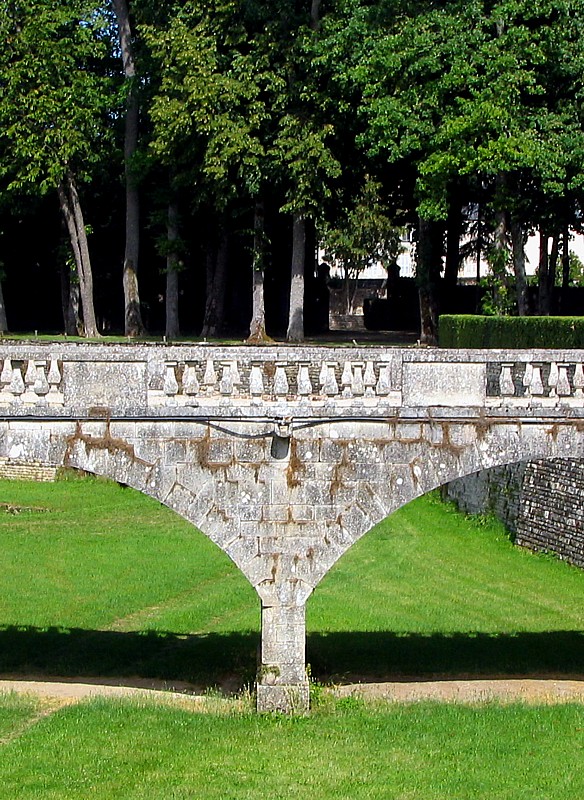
97	579
125	751
431	591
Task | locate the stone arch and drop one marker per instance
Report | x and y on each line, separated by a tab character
96	448
286	515
373	487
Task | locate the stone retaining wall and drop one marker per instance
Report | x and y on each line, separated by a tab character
541	503
11	469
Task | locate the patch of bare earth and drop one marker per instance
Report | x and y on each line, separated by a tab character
501	690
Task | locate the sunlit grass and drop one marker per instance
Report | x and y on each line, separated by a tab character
98	579
124	750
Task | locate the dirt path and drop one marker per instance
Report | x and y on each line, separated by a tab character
505	690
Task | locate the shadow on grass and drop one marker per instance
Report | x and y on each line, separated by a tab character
204	661
377	656
229	660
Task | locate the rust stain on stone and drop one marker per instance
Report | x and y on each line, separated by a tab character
342	471
107	442
295	468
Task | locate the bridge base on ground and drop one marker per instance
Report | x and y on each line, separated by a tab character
287	699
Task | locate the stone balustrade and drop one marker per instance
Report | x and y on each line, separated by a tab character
31	382
539	383
89	380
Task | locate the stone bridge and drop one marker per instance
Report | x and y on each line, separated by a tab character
285	456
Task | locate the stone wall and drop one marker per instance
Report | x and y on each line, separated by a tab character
541	503
11	469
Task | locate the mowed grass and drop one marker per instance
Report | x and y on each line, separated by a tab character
97	579
125	751
431	591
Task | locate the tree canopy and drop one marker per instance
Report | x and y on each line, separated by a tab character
250	133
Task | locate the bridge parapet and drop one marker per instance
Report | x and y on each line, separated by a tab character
189	381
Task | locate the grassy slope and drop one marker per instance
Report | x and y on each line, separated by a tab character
107	581
427	590
432	591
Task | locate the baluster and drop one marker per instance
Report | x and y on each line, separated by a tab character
54	379
330	386
303	380
281	380
383	387
256	381
30	374
553	378
579	380
358	382
506	383
537	388
16	386
190	380
563	387
235	376
527	379
347	380
323	375
226	382
370	380
41	385
210	377
6	374
170	387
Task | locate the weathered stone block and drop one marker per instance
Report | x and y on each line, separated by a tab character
292	699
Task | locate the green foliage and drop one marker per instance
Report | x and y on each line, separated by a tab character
576	271
361	236
56	91
473	331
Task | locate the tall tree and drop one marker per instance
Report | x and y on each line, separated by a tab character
53	106
133	324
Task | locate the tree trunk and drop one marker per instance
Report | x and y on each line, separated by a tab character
132	314
565	267
71	210
453	236
479	253
3	321
257	328
543	274
172	318
70	303
428	261
566	258
552	269
315	14
216	286
498	263
518	240
295	331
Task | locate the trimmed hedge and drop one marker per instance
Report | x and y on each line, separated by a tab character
474	331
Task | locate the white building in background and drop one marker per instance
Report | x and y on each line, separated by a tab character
468	271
